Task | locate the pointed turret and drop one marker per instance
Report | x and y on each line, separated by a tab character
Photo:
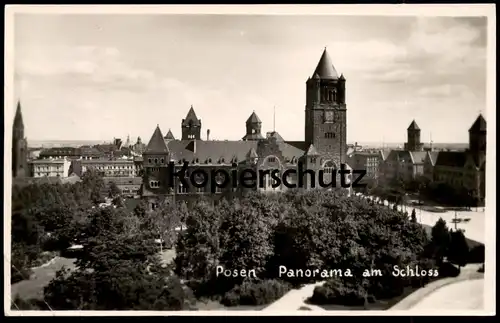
325	69
477	136
413	126
191	119
253	127
191	126
18	119
156	144
413	143
253	118
479	125
169	135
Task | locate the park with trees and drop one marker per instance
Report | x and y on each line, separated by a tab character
119	266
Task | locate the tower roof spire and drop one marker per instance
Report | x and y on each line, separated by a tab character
325	69
413	126
191	118
18	119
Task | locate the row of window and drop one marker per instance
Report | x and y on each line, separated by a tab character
329	135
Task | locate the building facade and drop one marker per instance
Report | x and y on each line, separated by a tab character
368	161
50	167
324	148
114	167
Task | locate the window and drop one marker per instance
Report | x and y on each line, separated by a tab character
182	189
162	161
313	159
200	190
329	135
156	160
154	184
149	160
218	189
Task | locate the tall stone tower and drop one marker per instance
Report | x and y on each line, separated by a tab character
413	141
19	146
326	112
477	136
191	126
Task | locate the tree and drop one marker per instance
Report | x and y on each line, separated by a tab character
440	240
163	221
414	216
118	201
458	251
118	269
114	191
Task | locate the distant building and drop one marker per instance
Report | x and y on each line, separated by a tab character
19	146
106	167
405	164
127	185
50	167
71	153
369	161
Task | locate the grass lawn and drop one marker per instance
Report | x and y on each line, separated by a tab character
33	288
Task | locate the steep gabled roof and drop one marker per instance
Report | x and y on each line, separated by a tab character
432	156
451	159
479	125
275	135
169	135
418	157
413	126
156	143
311	151
325	69
223	150
191	118
252	153
253	118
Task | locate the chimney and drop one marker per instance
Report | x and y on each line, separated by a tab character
208	134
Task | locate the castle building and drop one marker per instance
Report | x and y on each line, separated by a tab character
465	169
324	148
19	147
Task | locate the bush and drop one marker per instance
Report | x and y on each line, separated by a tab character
448	270
255	293
458	251
340	292
476	255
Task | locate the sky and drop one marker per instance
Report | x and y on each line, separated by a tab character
96	77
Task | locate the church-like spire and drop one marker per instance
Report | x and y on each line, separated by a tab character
191	119
325	69
18	119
